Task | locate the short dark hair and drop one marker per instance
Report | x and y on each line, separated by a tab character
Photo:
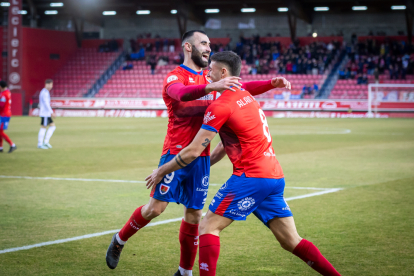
189	35
3	84
230	59
48	81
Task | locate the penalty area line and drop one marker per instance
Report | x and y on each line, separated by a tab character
14	249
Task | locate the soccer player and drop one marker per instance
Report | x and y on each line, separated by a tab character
5	114
46	114
187	93
257	184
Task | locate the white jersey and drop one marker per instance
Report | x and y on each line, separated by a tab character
44	104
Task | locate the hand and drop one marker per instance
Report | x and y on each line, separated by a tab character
154	178
224	84
53	115
280	82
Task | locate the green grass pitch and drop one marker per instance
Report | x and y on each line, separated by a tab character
367	228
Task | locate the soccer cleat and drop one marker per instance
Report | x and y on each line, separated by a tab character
178	273
42	147
12	149
113	253
49	146
1	150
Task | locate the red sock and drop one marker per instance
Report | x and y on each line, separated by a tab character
209	254
5	137
189	242
1	141
311	255
135	222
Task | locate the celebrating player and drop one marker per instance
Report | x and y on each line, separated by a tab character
187	93
46	114
5	114
257	184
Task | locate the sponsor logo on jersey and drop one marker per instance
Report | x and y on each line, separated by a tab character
269	152
204	181
246	203
204	266
245	101
190	79
164	189
179	147
212	202
208	117
172	78
208	97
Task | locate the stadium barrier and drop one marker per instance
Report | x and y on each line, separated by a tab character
124	107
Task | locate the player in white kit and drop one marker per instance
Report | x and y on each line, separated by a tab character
46	114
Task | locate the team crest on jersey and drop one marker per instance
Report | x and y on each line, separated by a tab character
172	78
208	79
208	117
246	203
164	189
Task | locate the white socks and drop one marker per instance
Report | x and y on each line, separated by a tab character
49	133
42	133
121	242
185	272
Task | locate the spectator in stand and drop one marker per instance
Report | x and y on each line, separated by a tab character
127	65
152	63
172	46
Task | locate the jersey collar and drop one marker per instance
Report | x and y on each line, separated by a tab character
191	70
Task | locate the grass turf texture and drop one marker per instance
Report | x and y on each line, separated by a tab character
365	229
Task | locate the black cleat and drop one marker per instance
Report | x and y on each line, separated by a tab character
113	253
178	273
12	149
1	150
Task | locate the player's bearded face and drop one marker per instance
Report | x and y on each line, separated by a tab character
200	59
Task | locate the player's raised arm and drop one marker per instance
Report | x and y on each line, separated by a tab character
260	87
217	154
184	158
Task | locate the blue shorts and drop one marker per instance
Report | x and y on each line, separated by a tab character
241	195
4	122
188	186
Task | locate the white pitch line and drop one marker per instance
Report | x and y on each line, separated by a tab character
72	179
119	180
150	224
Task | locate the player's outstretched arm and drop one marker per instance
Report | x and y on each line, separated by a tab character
217	154
182	93
182	159
260	87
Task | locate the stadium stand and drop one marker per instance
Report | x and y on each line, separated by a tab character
385	56
139	82
81	71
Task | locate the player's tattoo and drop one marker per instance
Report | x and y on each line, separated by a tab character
179	164
205	144
181	160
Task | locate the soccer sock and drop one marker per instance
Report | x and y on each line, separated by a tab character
135	222
209	254
311	255
41	136
5	137
49	133
189	242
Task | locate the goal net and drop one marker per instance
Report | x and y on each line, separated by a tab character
381	95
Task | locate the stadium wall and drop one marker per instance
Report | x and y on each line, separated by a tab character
38	65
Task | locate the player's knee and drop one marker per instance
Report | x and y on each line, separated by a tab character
289	244
155	211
